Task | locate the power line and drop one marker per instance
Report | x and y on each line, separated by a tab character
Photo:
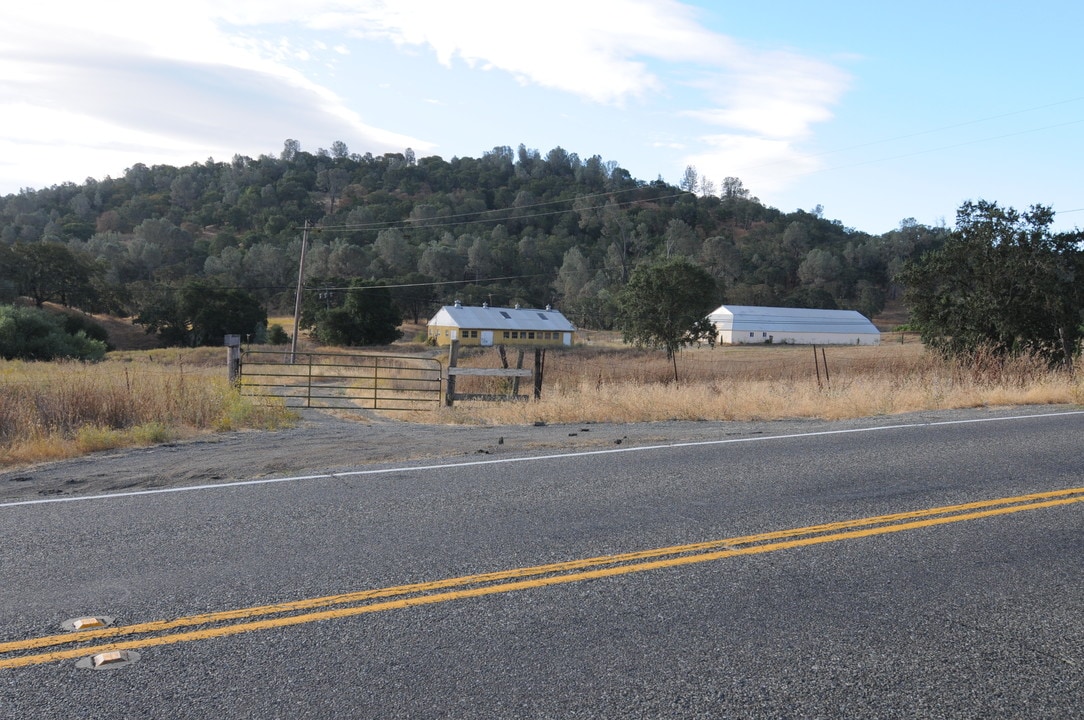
430	284
410	224
920	133
943	128
450	220
936	149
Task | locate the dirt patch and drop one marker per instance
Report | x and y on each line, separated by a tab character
894	314
125	335
321	443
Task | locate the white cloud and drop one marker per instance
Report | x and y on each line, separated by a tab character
778	94
152	83
587	49
615	51
765	165
201	77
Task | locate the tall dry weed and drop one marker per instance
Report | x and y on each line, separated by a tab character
52	410
766	383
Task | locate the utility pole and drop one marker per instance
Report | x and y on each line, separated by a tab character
297	299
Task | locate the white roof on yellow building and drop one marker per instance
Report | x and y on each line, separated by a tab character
498	318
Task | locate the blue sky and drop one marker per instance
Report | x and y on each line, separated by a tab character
875	111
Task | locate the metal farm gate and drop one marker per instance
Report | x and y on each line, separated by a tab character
342	381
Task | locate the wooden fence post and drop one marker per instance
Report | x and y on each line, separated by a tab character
453	355
233	358
539	368
519	366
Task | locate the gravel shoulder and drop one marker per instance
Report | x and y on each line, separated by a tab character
323	443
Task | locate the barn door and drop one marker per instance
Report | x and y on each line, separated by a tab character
487	338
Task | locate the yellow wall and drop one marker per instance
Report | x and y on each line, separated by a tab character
442	335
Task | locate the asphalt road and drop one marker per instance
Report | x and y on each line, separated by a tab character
923	570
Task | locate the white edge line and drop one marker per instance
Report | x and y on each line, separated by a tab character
530	458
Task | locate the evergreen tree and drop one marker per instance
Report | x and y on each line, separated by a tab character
510	215
201	313
366	316
1002	283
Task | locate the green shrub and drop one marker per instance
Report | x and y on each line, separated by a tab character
277	336
74	324
33	334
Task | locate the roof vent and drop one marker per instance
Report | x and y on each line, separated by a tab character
517	306
485	304
458	304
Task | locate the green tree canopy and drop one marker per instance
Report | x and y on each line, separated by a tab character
201	313
505	221
49	271
32	334
361	314
414	294
666	304
1001	282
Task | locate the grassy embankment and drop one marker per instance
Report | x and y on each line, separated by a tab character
50	411
56	410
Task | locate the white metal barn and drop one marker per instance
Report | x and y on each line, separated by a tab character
743	324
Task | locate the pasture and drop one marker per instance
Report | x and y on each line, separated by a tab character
56	410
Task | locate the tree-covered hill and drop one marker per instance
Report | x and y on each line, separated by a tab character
507	227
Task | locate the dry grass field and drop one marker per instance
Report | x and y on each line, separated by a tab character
604	382
56	410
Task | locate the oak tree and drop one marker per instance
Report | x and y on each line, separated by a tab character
1002	282
666	305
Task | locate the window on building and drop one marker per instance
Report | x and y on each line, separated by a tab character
530	336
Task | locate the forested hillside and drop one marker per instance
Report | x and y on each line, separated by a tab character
508	227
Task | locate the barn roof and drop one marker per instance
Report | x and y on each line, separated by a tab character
795	320
498	318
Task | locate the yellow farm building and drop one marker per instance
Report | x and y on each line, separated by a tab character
487	326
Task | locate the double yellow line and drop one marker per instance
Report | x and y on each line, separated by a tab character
20	653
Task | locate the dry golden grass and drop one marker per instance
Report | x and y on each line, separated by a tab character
57	410
50	411
605	384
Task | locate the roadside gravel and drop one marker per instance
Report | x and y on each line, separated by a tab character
322	443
